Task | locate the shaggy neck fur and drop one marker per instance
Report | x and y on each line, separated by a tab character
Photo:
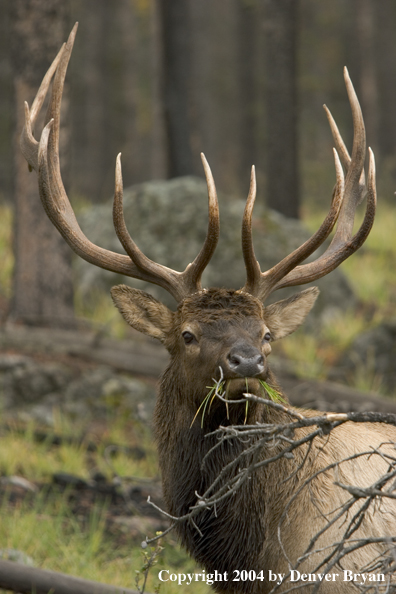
229	533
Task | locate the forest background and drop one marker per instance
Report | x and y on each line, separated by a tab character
251	78
116	89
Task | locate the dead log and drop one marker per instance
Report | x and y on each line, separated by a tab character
21	578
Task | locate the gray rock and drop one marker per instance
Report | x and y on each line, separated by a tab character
168	220
101	392
24	381
17	557
33	390
372	353
8	362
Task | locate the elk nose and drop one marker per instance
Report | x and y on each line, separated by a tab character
246	362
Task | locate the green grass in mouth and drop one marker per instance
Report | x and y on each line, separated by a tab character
272	394
220	389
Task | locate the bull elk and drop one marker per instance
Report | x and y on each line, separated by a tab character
229	332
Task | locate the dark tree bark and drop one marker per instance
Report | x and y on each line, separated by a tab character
89	118
247	19
176	51
6	107
280	19
386	67
42	286
365	40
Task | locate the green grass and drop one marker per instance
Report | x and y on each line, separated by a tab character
99	310
216	389
57	540
271	393
21	454
372	273
68	542
220	388
371	270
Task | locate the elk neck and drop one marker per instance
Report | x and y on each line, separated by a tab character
185	438
189	468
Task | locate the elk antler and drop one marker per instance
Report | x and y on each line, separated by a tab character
43	156
347	195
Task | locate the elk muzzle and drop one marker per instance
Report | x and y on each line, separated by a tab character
245	360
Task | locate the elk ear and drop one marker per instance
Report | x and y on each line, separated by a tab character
143	312
283	317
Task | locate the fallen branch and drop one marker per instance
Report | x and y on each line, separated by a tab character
20	578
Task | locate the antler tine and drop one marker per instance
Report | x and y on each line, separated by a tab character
346	198
193	272
337	253
253	271
161	275
29	145
353	189
178	284
338	140
339	143
262	284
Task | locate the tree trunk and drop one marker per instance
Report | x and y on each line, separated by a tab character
6	109
386	67
42	285
88	112
281	106
176	50
247	19
365	23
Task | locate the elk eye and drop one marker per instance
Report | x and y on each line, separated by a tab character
267	337
188	337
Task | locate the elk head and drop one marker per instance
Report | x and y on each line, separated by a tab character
213	331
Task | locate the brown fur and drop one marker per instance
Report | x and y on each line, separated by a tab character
242	532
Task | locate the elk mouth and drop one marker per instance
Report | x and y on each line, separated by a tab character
225	401
222	404
236	388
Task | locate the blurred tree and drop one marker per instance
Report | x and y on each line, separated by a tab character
227	86
115	97
42	286
89	115
176	52
386	67
215	82
247	40
374	61
281	22
365	24
6	107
